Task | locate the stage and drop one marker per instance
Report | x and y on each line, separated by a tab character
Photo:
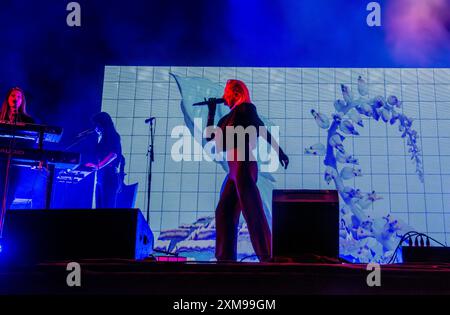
127	277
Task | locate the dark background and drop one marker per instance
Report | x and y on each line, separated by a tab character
61	68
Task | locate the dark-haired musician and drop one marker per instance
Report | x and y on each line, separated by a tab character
108	161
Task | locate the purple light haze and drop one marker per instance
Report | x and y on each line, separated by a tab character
418	30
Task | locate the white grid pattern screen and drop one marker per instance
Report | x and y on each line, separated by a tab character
184	191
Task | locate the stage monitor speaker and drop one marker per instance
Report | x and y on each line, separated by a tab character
305	223
54	235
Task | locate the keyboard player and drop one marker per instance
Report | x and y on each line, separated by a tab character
14	108
14	111
109	157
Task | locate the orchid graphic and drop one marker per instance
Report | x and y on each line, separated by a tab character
363	238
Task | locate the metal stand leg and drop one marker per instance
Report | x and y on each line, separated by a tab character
49	188
151	158
5	195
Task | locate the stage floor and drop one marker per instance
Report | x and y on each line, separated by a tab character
187	278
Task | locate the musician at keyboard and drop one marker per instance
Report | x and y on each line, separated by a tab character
14	112
108	161
14	108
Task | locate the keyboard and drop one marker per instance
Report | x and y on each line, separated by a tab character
31	132
32	157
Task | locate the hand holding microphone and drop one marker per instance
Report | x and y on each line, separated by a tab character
212	104
210	101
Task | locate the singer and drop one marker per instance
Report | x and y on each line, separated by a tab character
14	111
14	108
108	160
240	192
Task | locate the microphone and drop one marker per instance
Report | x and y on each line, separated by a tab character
85	133
210	100
13	116
150	120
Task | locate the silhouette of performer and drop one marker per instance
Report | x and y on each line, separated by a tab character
240	192
14	111
108	160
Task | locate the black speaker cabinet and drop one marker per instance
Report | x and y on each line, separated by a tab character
305	222
55	235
